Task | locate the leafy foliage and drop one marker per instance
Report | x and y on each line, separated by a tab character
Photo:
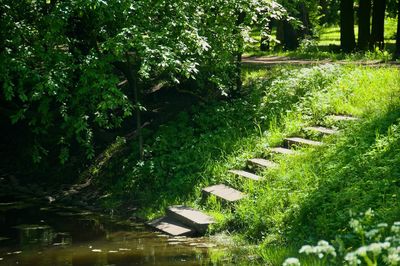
64	59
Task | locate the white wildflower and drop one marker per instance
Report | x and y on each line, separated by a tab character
325	247
320	250
372	233
388	239
356	225
307	249
393	259
383	225
395	228
369	213
323	243
394	256
291	262
352	259
375	248
385	245
362	251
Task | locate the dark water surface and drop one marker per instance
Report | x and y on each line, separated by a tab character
46	234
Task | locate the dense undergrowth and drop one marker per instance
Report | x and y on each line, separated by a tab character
310	196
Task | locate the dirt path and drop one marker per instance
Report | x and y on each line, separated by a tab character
270	61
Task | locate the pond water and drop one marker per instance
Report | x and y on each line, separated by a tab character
47	234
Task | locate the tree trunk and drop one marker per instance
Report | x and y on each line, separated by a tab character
130	70
290	36
305	20
364	24
280	36
378	25
265	43
347	36
239	21
287	36
324	11
397	53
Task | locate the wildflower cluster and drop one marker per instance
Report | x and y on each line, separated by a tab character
291	262
378	244
323	248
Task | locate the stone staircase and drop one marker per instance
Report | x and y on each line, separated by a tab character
186	221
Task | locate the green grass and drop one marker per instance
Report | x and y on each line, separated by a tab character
310	196
327	46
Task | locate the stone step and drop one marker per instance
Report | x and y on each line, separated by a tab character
262	163
224	192
340	118
245	174
190	217
323	130
301	142
284	151
171	226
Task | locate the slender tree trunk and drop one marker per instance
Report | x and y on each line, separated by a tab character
138	118
280	36
286	35
378	25
364	24
347	36
397	53
305	20
130	69
265	44
324	11
290	36
239	21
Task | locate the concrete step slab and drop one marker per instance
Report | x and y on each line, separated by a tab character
342	118
262	163
224	192
245	174
171	227
190	217
283	151
301	142
323	130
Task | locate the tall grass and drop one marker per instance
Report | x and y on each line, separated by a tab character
310	196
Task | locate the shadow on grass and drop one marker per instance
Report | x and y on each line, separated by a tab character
198	146
181	156
359	172
325	51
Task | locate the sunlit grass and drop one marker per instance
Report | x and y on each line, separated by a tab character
310	195
327	46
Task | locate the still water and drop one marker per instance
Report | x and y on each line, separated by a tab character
46	234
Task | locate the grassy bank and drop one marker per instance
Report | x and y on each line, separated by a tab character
310	196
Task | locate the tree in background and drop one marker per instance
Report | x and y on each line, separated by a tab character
378	25
304	16
364	24
347	36
391	8
329	12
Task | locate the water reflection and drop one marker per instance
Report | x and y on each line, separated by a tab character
32	234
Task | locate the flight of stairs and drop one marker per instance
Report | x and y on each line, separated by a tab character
186	221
